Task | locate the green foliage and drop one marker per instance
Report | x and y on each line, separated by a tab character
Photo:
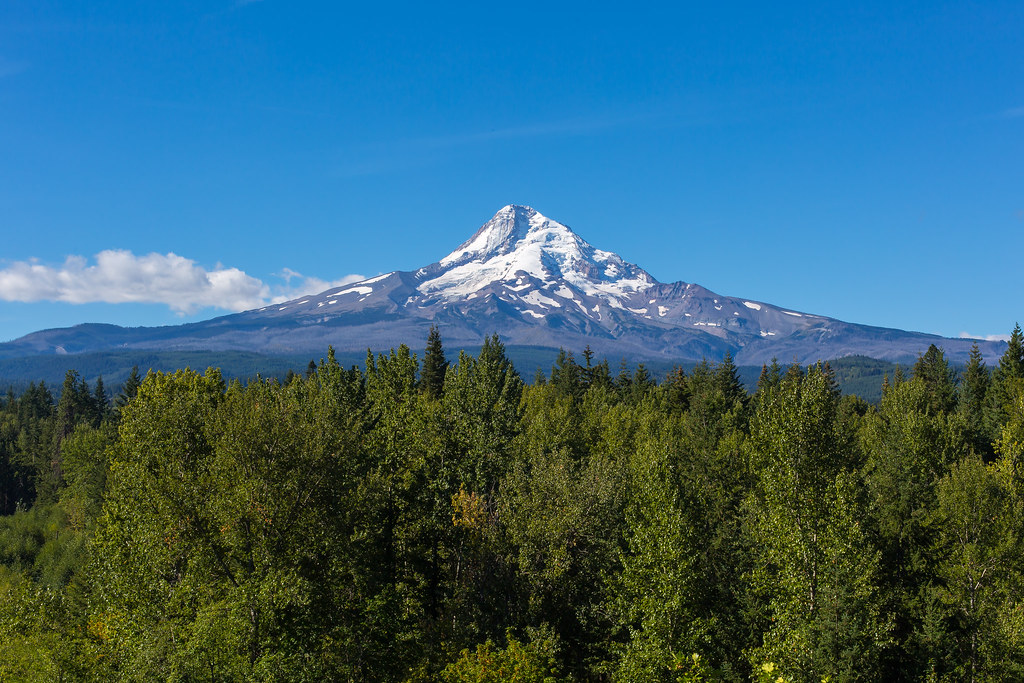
980	572
817	570
909	448
435	365
1007	381
972	398
658	591
530	662
565	513
372	524
934	373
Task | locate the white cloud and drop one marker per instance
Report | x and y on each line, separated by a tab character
985	337
119	276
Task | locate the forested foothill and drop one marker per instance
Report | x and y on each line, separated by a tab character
433	519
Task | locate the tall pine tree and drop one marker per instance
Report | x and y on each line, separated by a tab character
933	370
435	365
971	402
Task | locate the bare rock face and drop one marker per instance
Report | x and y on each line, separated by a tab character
535	282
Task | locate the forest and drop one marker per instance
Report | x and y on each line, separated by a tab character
421	518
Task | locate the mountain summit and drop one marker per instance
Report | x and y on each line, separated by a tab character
535	282
521	248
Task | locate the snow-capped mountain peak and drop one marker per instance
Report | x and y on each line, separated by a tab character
519	242
498	235
536	283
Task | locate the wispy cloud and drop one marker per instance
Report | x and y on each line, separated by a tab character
119	276
1012	113
398	154
985	337
576	126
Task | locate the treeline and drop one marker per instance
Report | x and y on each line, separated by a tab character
420	520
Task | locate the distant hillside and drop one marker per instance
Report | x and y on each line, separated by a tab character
855	374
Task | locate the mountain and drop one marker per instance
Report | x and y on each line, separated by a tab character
536	283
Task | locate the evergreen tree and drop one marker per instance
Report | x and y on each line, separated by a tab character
643	383
933	371
567	375
769	380
74	404
727	379
101	403
588	367
624	380
435	365
971	399
1007	379
129	389
1012	362
481	401
909	448
677	389
601	376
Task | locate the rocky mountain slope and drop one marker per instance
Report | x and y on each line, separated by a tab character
535	282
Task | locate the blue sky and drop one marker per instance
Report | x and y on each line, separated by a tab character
168	162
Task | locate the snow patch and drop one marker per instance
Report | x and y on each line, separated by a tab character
377	279
564	292
538	299
752	305
792	313
527	311
356	290
662	310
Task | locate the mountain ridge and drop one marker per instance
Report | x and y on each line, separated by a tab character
534	281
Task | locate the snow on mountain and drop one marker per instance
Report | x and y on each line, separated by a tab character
535	282
519	242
